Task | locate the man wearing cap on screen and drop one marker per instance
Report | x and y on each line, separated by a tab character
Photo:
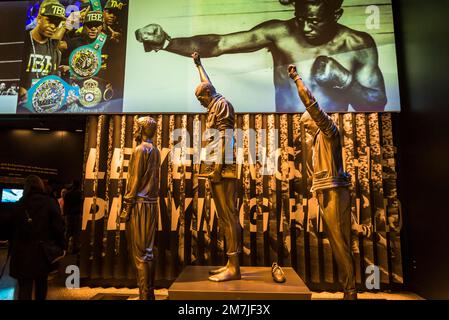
112	11
41	54
340	63
92	27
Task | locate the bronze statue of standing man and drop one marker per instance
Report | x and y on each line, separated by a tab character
220	117
141	205
329	181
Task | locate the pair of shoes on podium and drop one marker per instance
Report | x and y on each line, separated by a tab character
277	273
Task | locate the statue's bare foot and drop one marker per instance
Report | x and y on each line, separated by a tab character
219	270
227	275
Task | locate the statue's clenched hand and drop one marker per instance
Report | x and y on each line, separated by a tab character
196	58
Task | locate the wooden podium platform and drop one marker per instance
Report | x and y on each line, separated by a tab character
256	284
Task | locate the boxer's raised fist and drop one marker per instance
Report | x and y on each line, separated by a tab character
152	36
329	73
196	58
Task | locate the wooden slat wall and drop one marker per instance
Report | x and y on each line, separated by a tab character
278	223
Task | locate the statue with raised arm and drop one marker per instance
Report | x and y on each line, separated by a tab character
220	166
141	205
329	181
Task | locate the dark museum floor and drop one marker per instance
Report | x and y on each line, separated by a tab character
60	292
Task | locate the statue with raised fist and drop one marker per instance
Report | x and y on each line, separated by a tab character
220	169
329	181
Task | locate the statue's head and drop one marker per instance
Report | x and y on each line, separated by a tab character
205	93
145	129
309	124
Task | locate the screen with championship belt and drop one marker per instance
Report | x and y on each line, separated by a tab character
134	56
73	57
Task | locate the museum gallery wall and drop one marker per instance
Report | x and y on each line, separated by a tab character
279	222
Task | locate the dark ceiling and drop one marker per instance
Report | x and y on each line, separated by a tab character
63	123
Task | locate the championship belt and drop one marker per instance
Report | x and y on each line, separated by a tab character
50	94
96	5
85	61
90	93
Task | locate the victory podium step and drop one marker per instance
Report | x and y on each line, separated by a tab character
256	284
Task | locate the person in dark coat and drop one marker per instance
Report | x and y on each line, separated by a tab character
37	218
73	208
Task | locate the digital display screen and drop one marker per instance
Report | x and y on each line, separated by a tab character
11	195
73	57
134	56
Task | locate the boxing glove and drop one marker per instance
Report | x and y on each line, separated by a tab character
329	73
153	37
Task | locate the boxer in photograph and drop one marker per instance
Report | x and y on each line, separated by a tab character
112	12
42	57
329	181
2	88
220	116
92	27
341	64
115	28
